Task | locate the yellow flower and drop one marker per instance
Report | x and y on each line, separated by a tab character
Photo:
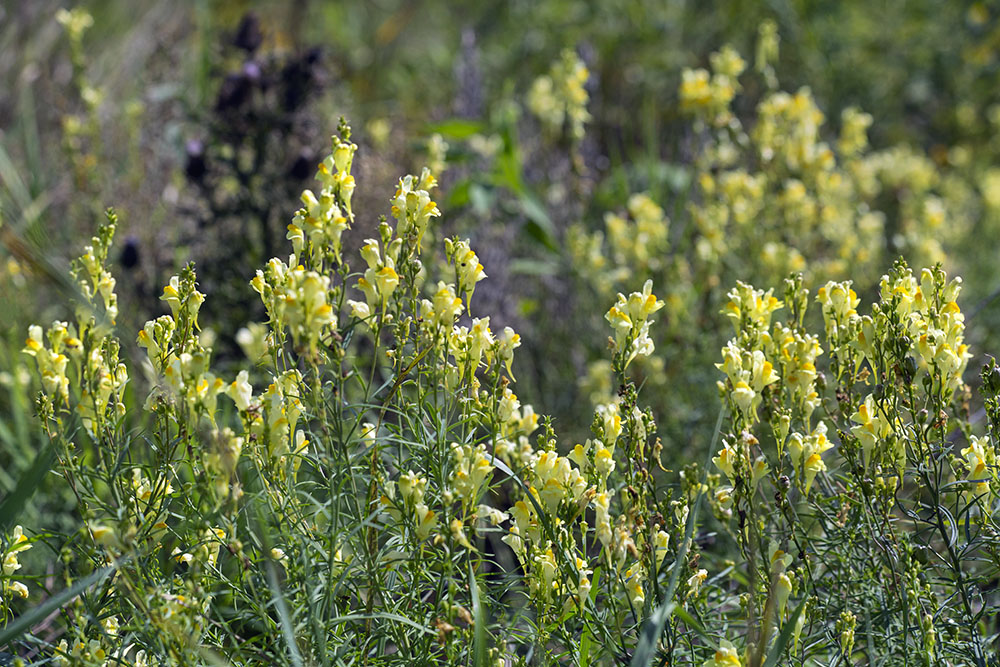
725	656
695	581
980	459
725	461
633	585
628	319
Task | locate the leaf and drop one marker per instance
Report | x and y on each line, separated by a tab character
458	195
481	199
287	631
386	616
25	622
539	226
645	651
11	177
786	633
456	128
30	480
532	267
692	623
479	619
584	660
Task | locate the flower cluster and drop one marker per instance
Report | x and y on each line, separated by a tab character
629	318
297	299
17	543
709	94
559	98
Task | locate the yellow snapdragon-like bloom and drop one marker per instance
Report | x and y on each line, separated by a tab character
17	543
468	269
557	480
192	383
981	463
413	207
696	89
629	319
709	95
748	373
639	241
411	488
778	558
797	353
297	299
334	172
543	572
445	307
320	222
854	125
472	345
839	302
695	581
602	516
380	279
788	131
241	391
872	427
560	98
50	360
275	424
750	308
472	469
156	336
508	405
633	585
781	590
806	452
725	656
661	542
725	461
177	298
507	341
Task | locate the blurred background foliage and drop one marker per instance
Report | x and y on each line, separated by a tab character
202	121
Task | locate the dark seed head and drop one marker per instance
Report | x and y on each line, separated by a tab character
249	35
195	166
234	92
130	253
303	166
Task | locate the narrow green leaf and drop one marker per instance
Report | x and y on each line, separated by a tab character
25	622
456	128
30	480
386	616
531	267
287	630
11	177
584	657
786	633
692	623
479	619
645	651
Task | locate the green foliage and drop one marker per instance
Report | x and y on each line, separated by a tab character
363	485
